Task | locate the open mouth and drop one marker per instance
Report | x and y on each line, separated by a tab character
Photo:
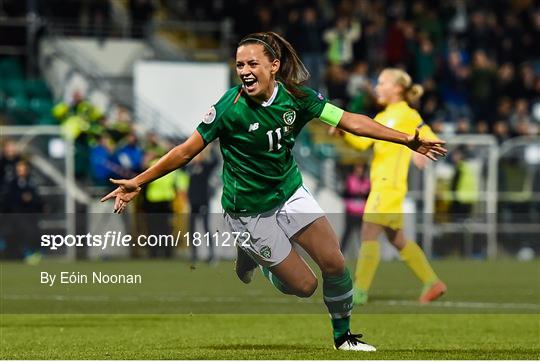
250	84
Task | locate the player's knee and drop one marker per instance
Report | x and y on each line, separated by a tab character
333	266
307	287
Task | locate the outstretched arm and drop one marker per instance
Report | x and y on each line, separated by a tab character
176	158
361	125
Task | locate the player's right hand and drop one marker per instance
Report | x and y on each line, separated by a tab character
126	191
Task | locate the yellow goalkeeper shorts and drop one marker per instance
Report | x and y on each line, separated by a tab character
385	207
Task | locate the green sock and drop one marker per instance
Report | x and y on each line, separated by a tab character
338	297
274	280
341	326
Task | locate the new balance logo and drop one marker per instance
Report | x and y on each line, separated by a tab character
253	127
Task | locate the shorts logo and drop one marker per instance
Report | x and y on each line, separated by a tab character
210	116
266	252
320	96
289	117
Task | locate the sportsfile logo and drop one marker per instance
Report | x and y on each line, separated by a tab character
121	239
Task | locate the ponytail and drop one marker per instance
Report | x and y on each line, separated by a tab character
413	94
411	91
292	72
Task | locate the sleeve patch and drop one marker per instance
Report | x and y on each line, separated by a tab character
210	116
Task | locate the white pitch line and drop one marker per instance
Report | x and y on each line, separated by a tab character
275	300
461	304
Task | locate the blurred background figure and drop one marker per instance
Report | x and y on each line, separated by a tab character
8	160
464	185
200	170
158	209
357	186
340	40
24	204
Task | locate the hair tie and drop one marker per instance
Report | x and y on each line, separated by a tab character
266	45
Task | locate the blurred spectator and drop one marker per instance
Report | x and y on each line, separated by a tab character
336	83
501	130
199	170
129	157
159	197
340	40
454	85
141	12
8	159
264	19
153	146
458	20
504	108
521	113
99	13
438	127
425	62
427	20
100	160
78	116
510	45
535	102
357	186
523	128
430	103
464	186
121	124
527	82
304	33
483	85
359	90
482	128
25	204
375	41
507	84
463	126
481	33
396	45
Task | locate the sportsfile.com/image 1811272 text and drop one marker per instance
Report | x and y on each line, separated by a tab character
121	239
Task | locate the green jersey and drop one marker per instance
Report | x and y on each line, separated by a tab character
256	141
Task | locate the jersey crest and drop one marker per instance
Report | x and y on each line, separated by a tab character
289	117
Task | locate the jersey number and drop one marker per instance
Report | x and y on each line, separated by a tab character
270	135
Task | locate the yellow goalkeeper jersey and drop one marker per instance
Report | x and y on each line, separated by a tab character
390	164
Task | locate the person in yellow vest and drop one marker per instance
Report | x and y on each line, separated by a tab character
464	186
160	195
388	174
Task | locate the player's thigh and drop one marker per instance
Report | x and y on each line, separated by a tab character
319	240
396	237
296	274
370	231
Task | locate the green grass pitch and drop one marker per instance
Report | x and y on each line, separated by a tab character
491	311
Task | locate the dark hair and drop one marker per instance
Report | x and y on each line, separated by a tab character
292	71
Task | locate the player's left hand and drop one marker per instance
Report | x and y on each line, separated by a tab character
430	148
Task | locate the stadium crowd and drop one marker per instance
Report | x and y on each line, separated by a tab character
479	61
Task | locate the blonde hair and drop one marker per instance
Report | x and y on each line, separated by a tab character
411	91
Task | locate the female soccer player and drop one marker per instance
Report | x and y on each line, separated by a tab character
257	123
389	169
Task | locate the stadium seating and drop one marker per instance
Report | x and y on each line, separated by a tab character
26	101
